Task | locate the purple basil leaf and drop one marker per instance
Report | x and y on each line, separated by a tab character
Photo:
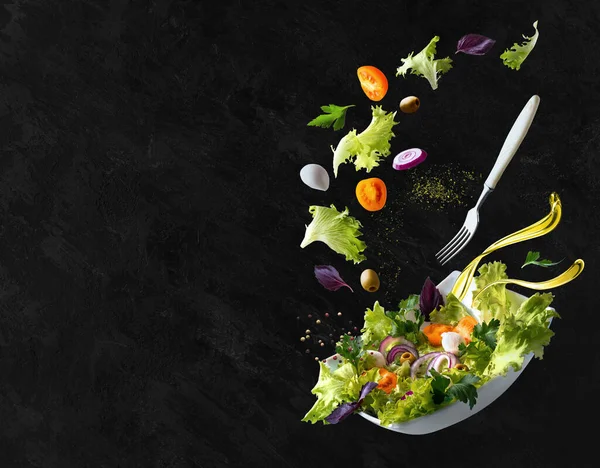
430	298
342	412
365	390
330	278
474	44
346	409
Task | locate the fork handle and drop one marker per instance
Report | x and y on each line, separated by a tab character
513	141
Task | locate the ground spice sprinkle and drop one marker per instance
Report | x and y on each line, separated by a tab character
437	187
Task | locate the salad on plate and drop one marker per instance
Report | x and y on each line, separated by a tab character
430	352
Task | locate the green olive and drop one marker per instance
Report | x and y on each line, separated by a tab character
369	280
410	104
461	367
410	357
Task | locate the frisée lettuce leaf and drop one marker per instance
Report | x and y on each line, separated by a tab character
423	64
333	388
369	146
515	56
377	325
338	230
451	313
493	303
521	333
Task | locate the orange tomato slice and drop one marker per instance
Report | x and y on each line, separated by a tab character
465	327
371	194
434	332
373	82
388	380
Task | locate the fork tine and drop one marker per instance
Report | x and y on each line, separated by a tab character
450	244
457	246
464	242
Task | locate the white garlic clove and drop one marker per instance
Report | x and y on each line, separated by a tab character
315	176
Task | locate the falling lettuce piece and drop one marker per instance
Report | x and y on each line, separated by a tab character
430	298
332	389
339	231
330	278
474	44
516	55
423	64
334	115
346	409
521	333
369	146
451	313
494	301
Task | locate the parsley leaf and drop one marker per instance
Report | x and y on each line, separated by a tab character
408	319
464	390
334	115
477	355
439	384
532	259
486	332
350	349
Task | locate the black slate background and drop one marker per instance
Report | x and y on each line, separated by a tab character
151	215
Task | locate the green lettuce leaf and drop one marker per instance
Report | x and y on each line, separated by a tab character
369	146
516	55
423	64
377	325
392	408
450	313
333	388
370	375
493	303
339	231
521	333
476	355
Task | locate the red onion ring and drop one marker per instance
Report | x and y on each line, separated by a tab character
436	363
391	356
415	365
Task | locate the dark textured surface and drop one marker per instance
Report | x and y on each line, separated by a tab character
151	216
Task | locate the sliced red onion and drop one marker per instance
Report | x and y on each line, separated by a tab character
409	158
400	349
415	365
391	341
453	360
437	362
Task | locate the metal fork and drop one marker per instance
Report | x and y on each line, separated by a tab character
511	145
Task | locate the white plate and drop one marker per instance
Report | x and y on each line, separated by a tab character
457	411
